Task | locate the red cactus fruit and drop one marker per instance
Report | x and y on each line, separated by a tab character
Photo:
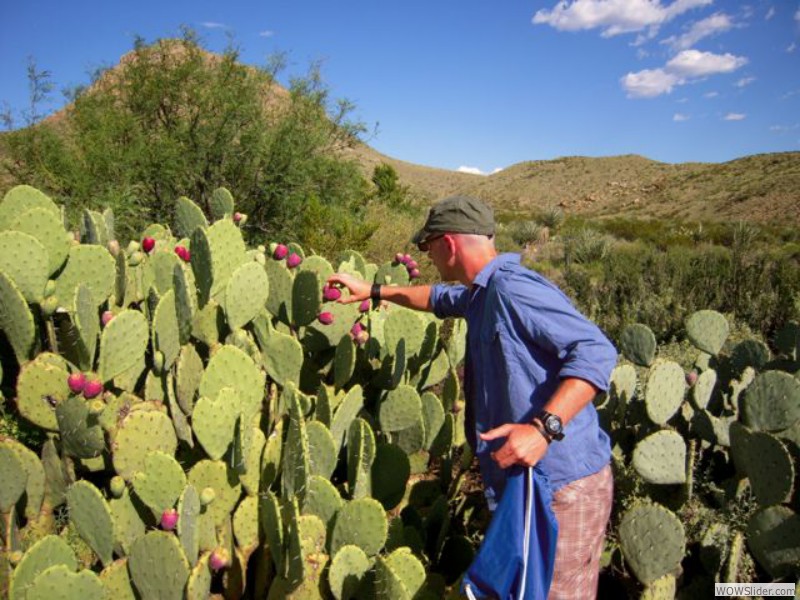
331	293
398	258
691	378
148	244
106	317
293	260
92	389
280	252
412	264
407	259
413	273
169	518
76	382
356	329
183	253
219	559
237	216
362	337
364	306
325	318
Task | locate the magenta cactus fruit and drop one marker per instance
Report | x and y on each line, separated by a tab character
356	329
293	260
280	252
148	244
169	519
92	389
76	382
237	216
330	293
412	264
398	258
691	378
362	337
325	318
364	306
219	559
183	253
413	273
407	259
106	317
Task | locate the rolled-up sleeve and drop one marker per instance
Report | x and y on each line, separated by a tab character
449	300
551	322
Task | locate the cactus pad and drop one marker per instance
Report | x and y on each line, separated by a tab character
231	367
707	330
122	343
352	403
652	540
20	199
90	514
221	203
638	344
772	535
14	476
16	320
661	458
25	261
51	550
47	228
61	582
283	358
245	294
158	566
225	483
390	472
35	484
321	448
91	265
140	433
400	409
666	387
347	571
188	217
161	482
772	402
769	467
81	434
214	420
322	499
362	523
40	387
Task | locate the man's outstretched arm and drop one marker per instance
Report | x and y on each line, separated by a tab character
417	297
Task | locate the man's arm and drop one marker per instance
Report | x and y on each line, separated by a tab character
417	297
525	445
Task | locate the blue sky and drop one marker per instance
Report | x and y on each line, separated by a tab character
478	85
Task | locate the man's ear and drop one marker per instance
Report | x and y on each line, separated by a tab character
450	240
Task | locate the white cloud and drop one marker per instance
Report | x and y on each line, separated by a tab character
710	95
745	81
693	63
678	117
213	25
266	33
734	117
791	47
784	128
612	16
477	171
715	24
682	100
770	13
797	15
682	69
649	83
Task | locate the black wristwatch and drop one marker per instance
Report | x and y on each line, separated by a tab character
552	425
375	294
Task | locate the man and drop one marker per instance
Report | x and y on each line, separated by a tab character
533	366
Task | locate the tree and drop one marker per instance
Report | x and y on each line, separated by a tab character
173	119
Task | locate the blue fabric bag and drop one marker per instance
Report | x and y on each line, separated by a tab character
516	559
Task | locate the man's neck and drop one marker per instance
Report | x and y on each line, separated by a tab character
475	265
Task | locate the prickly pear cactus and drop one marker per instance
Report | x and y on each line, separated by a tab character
652	540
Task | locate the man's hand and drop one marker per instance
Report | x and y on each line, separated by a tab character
525	445
359	289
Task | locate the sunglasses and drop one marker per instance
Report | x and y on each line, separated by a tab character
426	243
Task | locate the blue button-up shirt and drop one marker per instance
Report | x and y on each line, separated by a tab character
524	336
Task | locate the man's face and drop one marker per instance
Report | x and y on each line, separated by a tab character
438	249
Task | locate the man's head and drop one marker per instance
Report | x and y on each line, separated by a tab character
456	214
457	236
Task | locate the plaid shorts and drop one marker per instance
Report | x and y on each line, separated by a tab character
582	509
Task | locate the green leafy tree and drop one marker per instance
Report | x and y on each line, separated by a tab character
173	119
389	190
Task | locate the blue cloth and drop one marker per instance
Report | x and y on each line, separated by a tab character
506	567
523	336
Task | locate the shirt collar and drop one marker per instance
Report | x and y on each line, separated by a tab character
485	274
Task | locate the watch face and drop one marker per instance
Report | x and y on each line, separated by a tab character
553	424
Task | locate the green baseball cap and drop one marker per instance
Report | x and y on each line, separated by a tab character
457	214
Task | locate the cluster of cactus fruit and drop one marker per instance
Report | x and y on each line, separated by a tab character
218	423
732	410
